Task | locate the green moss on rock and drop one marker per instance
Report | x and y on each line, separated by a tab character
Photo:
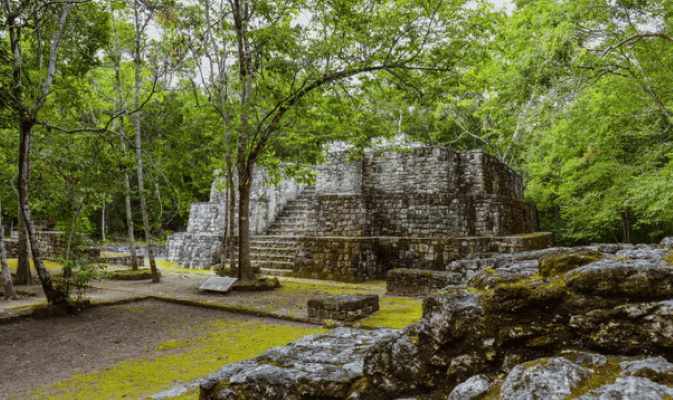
559	262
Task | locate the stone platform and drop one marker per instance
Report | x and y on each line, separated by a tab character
342	307
398	206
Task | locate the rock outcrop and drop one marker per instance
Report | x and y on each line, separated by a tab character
587	323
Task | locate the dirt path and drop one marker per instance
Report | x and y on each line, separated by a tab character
39	352
98	354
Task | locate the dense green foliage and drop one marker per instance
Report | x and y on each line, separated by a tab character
575	95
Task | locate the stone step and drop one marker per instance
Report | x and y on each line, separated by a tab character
287	242
276	272
273	257
288	224
287	232
274	250
272	264
295	217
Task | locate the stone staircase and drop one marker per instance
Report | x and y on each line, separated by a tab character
274	253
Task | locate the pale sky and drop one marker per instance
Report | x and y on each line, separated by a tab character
502	3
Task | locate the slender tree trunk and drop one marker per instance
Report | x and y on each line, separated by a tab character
244	181
626	228
139	161
54	296
233	262
124	138
10	294
23	275
241	13
102	220
225	231
129	211
72	232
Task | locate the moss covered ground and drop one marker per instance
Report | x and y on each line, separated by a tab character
213	344
50	265
217	342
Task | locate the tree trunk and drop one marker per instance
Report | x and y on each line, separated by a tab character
626	228
102	220
224	259
125	173
129	213
139	161
229	216
244	268
233	262
6	276
23	275
54	296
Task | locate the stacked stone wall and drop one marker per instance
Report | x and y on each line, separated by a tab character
423	215
52	245
206	217
363	258
418	215
423	170
194	250
338	176
12	248
199	247
501	215
480	173
341	215
432	194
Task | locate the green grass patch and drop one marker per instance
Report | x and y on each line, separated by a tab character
291	285
48	264
166	265
396	312
221	342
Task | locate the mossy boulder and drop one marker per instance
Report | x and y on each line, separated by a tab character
254	285
561	261
130	275
633	278
323	366
546	379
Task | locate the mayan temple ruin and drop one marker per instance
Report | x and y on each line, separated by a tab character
418	208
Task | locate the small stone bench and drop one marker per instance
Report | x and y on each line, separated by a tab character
418	283
342	307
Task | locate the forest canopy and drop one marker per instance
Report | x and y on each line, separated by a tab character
576	95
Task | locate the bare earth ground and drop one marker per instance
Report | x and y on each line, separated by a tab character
65	357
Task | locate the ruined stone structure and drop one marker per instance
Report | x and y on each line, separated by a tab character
420	207
200	246
52	244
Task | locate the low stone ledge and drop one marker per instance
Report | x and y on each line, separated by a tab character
342	307
130	275
419	283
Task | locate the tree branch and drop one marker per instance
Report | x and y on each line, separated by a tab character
635	38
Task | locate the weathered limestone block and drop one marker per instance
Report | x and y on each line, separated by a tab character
472	389
414	282
548	379
342	307
636	278
317	366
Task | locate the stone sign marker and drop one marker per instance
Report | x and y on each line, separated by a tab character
218	284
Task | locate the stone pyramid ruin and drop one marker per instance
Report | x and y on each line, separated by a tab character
414	207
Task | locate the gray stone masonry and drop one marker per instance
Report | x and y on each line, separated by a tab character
418	207
420	283
343	307
199	247
52	244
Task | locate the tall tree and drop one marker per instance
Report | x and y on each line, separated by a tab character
116	54
45	26
287	52
140	24
10	294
